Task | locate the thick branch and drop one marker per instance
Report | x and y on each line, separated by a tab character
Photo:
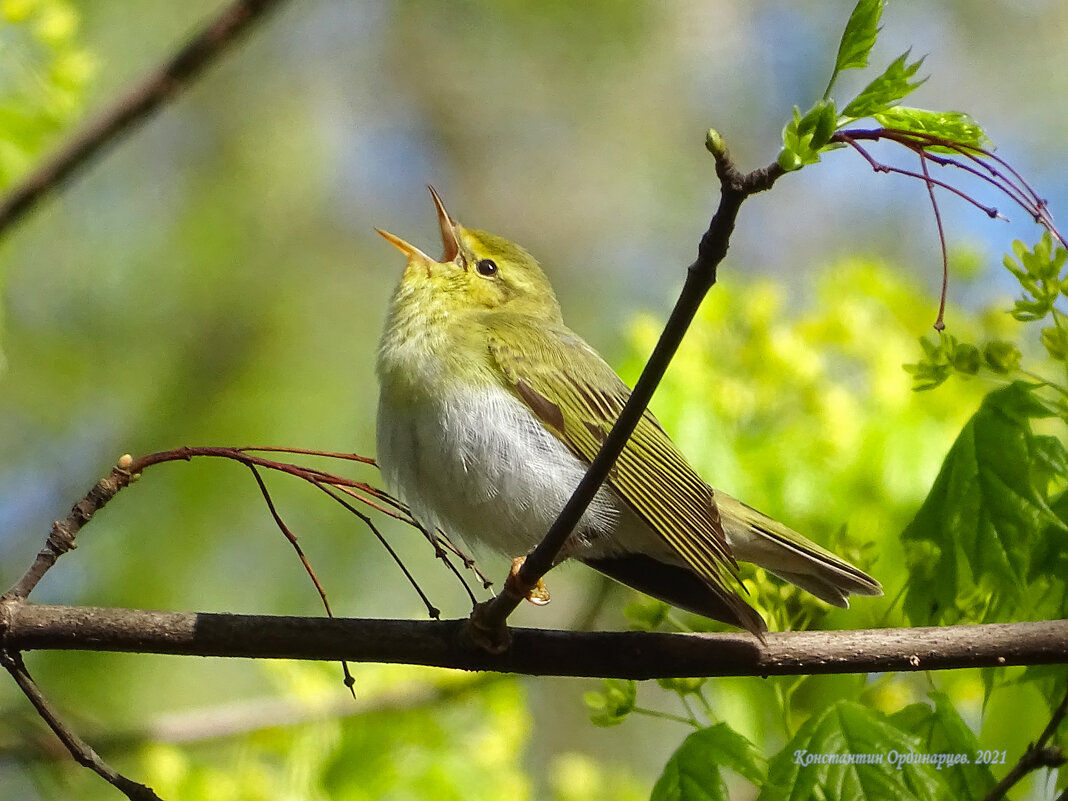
135	105
635	655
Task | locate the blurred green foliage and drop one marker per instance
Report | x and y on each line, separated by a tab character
216	281
46	68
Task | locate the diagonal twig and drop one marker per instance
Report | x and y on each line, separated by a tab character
78	748
488	620
1038	754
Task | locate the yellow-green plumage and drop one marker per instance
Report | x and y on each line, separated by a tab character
491	408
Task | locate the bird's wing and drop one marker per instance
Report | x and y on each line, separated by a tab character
578	397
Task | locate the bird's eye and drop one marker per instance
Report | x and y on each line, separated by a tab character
486	267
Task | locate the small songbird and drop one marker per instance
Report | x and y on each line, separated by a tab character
491	409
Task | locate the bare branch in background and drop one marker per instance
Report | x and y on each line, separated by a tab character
125	113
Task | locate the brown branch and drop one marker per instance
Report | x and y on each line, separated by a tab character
160	86
487	623
81	751
1038	755
61	538
627	654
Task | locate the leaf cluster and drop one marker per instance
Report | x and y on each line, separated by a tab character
806	136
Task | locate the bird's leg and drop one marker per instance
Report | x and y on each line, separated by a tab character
538	595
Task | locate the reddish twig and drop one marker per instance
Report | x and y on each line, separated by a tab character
1002	175
432	610
350	682
991	169
939	324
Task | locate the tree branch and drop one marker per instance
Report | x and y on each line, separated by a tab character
630	654
161	85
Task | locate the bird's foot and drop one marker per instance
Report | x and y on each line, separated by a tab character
538	594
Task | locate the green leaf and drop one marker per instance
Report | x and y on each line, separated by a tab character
859	36
850	751
943	732
612	707
1055	341
984	511
1002	357
646	614
953	125
885	91
693	772
1051	553
804	137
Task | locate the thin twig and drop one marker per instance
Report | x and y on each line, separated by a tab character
79	749
878	166
939	324
488	620
1037	755
1003	175
61	537
289	535
350	682
133	107
432	610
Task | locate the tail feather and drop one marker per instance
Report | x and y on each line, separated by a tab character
681	587
755	537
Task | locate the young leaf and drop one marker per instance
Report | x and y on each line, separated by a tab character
850	751
885	91
858	38
693	772
612	707
953	125
984	510
804	137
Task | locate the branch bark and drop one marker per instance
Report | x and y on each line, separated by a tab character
630	654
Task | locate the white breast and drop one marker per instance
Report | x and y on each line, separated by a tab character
480	465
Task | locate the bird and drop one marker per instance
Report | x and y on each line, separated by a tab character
491	409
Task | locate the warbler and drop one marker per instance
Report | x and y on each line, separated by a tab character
491	409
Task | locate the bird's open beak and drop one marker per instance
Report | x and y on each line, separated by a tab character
449	238
411	251
448	229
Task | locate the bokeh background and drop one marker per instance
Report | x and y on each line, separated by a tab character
215	279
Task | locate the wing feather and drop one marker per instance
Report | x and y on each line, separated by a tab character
578	397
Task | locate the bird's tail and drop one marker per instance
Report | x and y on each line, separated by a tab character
755	537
